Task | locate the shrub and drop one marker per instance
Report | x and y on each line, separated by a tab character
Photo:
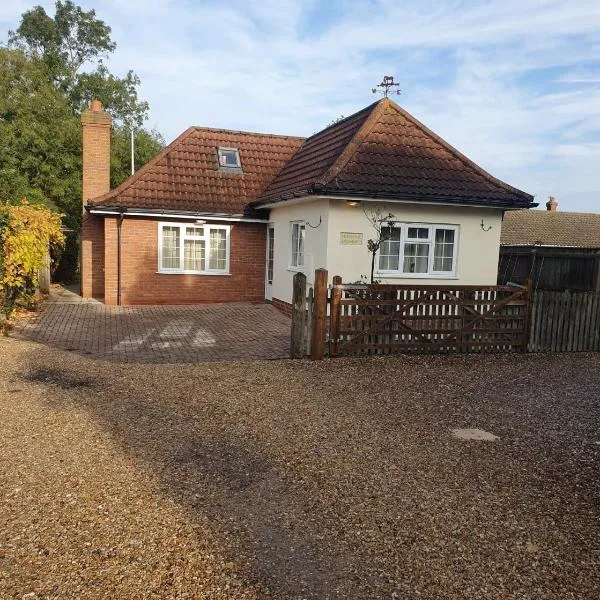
27	233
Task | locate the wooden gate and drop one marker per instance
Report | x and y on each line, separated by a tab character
390	319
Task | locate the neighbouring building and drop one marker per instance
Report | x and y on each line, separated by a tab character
556	250
223	216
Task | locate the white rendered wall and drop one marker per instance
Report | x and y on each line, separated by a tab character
477	252
315	243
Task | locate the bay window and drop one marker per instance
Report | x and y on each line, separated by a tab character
193	248
418	250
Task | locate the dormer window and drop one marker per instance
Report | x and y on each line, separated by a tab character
229	158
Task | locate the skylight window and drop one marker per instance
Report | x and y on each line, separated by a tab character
229	158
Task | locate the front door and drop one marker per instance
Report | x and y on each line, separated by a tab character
270	255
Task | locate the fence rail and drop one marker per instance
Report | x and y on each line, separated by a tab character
565	322
389	319
356	320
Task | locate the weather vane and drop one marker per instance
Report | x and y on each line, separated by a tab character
386	85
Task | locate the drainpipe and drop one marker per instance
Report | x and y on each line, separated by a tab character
119	223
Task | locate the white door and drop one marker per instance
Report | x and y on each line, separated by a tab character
269	269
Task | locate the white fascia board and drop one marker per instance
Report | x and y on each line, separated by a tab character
311	197
99	211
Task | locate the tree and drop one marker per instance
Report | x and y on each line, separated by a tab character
52	68
147	145
40	137
27	234
382	225
67	42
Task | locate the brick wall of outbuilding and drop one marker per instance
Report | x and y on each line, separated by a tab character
142	284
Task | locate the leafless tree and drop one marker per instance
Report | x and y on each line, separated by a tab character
382	225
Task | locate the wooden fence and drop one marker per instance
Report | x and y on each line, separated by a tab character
565	322
350	319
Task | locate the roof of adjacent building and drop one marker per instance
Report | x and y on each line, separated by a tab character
379	152
384	152
551	228
186	175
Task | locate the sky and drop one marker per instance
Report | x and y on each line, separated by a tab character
513	84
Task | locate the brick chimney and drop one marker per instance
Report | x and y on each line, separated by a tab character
552	204
96	125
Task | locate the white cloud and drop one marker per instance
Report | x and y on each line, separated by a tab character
513	84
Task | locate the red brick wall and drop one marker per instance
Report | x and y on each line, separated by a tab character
92	257
95	182
141	284
282	307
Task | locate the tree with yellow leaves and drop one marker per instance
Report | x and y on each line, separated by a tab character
27	233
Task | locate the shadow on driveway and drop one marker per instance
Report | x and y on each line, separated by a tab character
342	480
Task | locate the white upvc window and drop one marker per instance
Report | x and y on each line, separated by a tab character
298	233
192	248
418	250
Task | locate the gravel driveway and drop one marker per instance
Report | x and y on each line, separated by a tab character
291	479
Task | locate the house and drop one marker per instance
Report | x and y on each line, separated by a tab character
222	216
557	250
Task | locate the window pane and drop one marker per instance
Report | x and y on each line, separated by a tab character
298	232
389	251
418	233
229	158
194	231
217	256
416	258
193	255
271	255
170	248
443	253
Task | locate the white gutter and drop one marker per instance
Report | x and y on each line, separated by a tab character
130	213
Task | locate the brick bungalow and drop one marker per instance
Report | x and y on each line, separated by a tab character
222	216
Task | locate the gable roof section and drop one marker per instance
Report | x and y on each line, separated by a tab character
551	228
384	152
186	175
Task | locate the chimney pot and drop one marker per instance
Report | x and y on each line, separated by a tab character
96	105
552	204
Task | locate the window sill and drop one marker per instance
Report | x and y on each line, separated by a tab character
414	276
209	273
295	269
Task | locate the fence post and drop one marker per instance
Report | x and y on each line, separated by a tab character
319	315
336	296
44	276
298	339
528	309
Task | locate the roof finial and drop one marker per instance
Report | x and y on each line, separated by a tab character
385	85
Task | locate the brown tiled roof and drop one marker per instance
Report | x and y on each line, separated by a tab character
186	175
382	151
550	228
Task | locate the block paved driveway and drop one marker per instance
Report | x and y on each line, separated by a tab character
160	334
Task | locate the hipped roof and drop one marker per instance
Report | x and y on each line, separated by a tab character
379	152
384	152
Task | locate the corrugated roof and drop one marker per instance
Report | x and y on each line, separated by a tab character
383	151
551	228
186	174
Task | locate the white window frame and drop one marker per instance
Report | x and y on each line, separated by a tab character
183	237
292	266
431	274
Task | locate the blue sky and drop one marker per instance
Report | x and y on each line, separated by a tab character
515	85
